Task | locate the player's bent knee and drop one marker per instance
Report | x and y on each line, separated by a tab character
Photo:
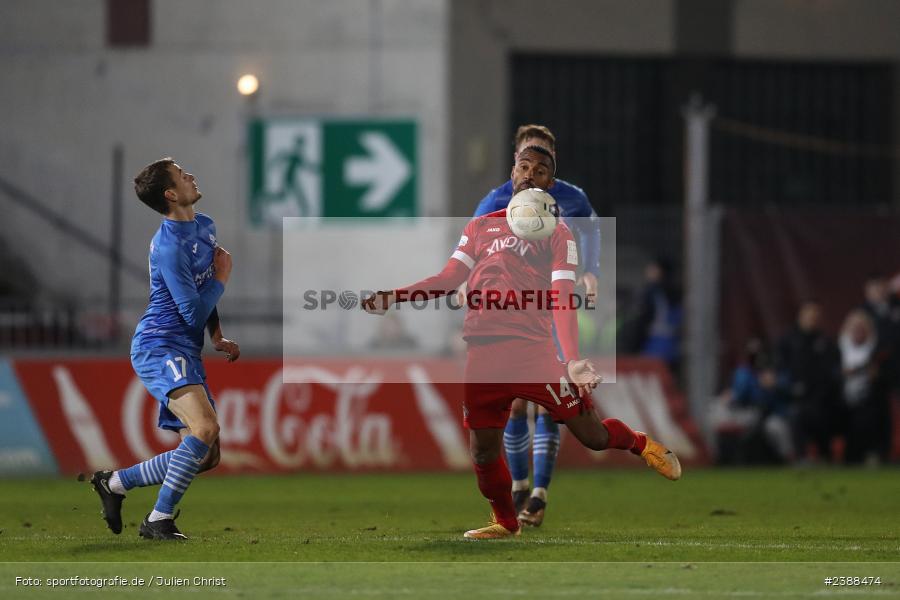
207	431
483	456
485	445
212	458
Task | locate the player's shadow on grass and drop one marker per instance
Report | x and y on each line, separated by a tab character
135	547
464	549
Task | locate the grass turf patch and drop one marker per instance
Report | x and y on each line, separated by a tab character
446	580
742	516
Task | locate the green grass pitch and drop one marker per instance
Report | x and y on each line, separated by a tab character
608	533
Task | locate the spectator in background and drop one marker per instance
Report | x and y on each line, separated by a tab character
879	302
755	388
653	328
809	369
752	418
894	285
866	390
883	309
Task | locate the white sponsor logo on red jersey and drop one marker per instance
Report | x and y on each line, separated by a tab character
509	243
572	255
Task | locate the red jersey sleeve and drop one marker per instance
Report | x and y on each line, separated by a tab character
465	249
454	273
565	264
565	253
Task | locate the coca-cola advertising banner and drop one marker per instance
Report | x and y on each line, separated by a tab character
338	415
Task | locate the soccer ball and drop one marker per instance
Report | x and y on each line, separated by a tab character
532	214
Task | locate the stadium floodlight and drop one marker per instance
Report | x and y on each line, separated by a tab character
248	84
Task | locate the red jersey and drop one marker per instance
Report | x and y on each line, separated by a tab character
516	288
510	279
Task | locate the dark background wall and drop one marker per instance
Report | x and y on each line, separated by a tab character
612	77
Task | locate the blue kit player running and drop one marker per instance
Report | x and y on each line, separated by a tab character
572	202
188	273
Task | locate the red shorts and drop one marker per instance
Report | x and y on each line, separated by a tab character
540	378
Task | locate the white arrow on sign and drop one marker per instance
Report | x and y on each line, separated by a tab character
384	170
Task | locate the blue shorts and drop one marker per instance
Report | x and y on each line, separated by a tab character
163	370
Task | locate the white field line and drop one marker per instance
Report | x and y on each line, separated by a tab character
629	542
685	543
392	592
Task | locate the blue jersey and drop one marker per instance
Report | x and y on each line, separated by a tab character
572	202
183	289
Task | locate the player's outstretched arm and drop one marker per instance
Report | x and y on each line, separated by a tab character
379	302
445	282
582	374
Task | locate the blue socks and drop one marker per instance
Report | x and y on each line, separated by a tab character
149	472
516	441
183	466
546	447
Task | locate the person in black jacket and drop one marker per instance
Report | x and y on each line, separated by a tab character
809	369
652	326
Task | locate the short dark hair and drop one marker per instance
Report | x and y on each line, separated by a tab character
545	152
532	130
151	184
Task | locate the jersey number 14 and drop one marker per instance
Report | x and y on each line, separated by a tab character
564	390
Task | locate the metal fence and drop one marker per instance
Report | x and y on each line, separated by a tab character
787	133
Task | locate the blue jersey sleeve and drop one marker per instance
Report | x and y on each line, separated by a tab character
586	225
486	205
194	306
589	238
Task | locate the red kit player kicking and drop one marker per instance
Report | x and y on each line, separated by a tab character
514	288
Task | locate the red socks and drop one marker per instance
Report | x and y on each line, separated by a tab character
622	437
495	481
495	484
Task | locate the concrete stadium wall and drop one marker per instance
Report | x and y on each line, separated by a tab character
68	98
818	30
